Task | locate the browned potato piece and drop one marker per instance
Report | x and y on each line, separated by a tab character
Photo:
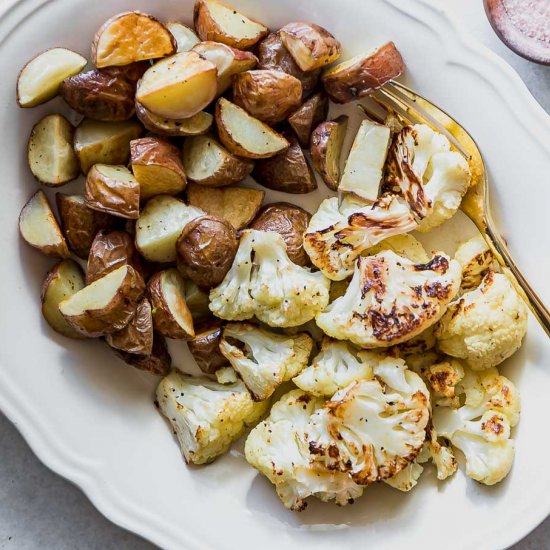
206	249
208	163
80	224
272	54
197	302
112	189
216	21
205	347
137	336
194	126
106	305
326	148
158	362
363	74
288	171
309	116
185	36
132	72
171	316
129	37
237	205
310	45
268	95
40	229
157	167
291	222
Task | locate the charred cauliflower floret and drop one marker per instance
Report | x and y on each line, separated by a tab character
206	416
476	260
263	282
390	300
486	325
278	448
264	359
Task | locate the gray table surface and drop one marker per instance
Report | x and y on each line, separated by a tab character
38	509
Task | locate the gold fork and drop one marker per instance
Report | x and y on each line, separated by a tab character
412	108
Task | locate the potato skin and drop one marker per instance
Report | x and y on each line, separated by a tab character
205	347
291	222
205	250
167	127
158	362
137	336
309	116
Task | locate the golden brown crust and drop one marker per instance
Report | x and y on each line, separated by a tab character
158	362
137	336
309	116
205	347
197	125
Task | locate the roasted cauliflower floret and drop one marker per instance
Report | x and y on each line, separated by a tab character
486	325
373	428
476	260
264	282
403	245
390	300
206	416
277	447
264	359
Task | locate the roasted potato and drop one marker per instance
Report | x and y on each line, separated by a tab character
197	301
205	347
179	86
39	228
310	45
326	148
244	135
237	205
363	74
308	116
158	362
50	151
205	250
106	305
104	142
185	36
79	223
171	316
40	78
273	55
132	72
216	21
112	189
63	280
129	37
207	163
157	167
268	95
288	171
193	126
137	336
291	222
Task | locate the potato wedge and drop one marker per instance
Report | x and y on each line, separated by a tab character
40	78
363	74
185	36
310	45
179	86
38	226
205	347
229	61
193	126
244	135
268	95
306	118
216	21
158	362
159	226
197	302
129	37
80	224
112	189
157	167
288	171
171	316
107	305
132	72
50	152
63	280
237	205
104	142
207	163
326	149
137	336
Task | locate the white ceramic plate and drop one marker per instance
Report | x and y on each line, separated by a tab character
92	420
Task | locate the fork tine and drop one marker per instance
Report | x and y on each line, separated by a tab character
371	114
391	103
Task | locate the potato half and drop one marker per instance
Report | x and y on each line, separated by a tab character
106	305
129	37
193	126
158	362
205	347
185	36
50	151
40	78
216	21
39	228
206	162
157	167
137	336
308	116
171	316
197	302
61	282
179	86
244	135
